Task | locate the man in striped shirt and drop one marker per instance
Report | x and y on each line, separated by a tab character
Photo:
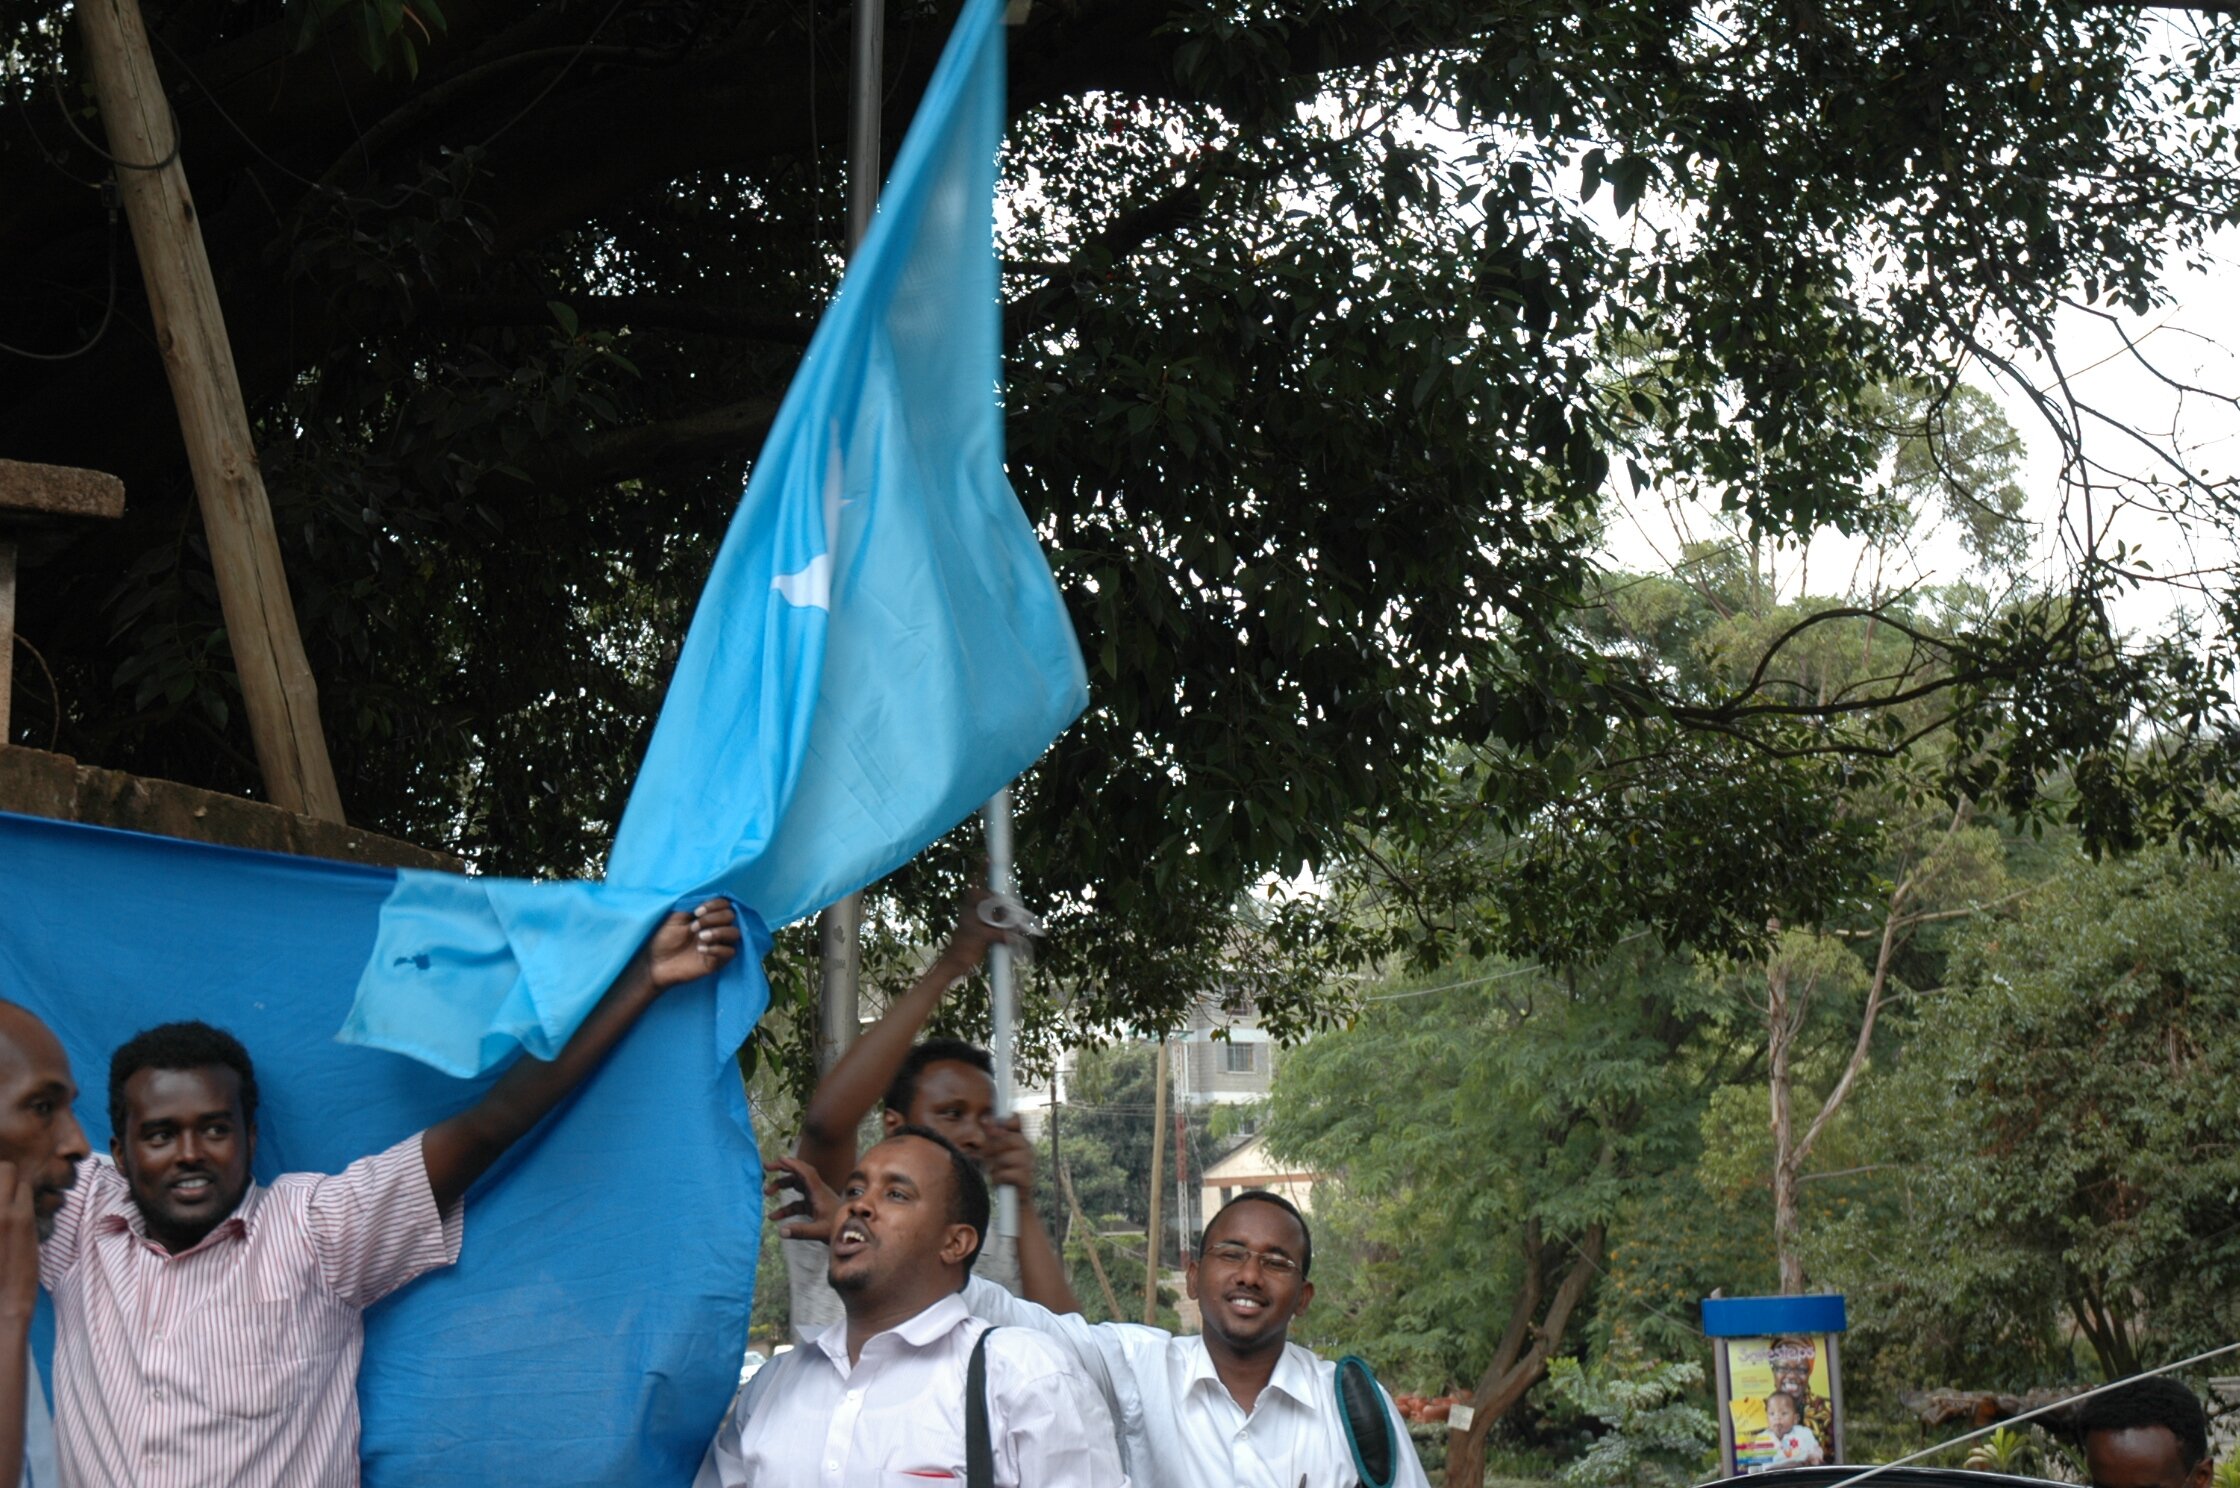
41	1145
209	1329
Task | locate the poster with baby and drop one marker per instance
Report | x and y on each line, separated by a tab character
1778	1406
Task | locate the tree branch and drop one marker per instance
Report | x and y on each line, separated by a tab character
734	429
621	310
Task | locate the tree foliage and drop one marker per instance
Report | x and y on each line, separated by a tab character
1327	323
2061	1130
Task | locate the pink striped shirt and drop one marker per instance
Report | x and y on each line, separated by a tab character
235	1362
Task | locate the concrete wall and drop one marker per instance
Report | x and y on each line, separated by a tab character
1210	1079
35	783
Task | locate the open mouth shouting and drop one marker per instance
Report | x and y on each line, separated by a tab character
852	1238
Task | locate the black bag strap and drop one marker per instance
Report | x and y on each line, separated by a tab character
1376	1456
979	1446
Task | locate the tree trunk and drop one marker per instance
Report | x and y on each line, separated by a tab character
1516	1368
1781	1030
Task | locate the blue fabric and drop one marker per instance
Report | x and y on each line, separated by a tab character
879	648
592	1330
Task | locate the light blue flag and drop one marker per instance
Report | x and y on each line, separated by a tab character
879	647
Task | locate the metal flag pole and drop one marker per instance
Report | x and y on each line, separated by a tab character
1003	991
840	926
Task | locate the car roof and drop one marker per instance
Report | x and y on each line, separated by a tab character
1896	1477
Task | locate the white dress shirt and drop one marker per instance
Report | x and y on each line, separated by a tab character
1179	1425
895	1418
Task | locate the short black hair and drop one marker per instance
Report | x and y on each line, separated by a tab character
1794	1404
2141	1404
180	1046
1262	1196
968	1191
904	1088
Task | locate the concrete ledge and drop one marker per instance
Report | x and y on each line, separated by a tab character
35	783
58	491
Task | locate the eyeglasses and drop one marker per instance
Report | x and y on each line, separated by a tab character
1228	1253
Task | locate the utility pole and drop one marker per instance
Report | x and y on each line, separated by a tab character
840	926
277	689
1058	1164
1151	1225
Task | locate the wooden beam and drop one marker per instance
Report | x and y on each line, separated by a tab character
277	689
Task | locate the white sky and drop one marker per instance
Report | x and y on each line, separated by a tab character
2193	340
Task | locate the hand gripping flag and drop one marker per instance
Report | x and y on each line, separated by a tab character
879	646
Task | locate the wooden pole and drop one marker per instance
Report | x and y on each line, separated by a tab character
276	683
1158	1148
1089	1243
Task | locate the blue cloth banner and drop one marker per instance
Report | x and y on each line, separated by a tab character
592	1330
879	647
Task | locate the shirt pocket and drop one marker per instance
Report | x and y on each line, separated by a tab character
257	1359
917	1477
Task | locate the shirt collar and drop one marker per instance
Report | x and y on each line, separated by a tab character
240	1224
929	1326
1294	1376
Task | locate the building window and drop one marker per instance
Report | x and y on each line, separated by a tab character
1237	1059
1226	1195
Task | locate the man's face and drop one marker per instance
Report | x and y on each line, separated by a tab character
38	1131
2143	1457
185	1150
1781	1414
894	1220
955	1100
1247	1285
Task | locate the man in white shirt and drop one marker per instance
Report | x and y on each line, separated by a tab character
1239	1406
942	1083
879	1398
41	1145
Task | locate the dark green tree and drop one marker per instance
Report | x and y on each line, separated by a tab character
1315	313
2060	1132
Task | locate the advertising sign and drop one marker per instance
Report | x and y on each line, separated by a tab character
1780	1380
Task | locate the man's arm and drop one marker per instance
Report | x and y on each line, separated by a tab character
1051	1419
19	1296
853	1087
685	948
1042	1272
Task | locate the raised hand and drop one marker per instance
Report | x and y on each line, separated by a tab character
19	1246
1008	1157
814	1210
689	946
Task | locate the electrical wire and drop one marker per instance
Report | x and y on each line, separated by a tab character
63	104
1510	975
